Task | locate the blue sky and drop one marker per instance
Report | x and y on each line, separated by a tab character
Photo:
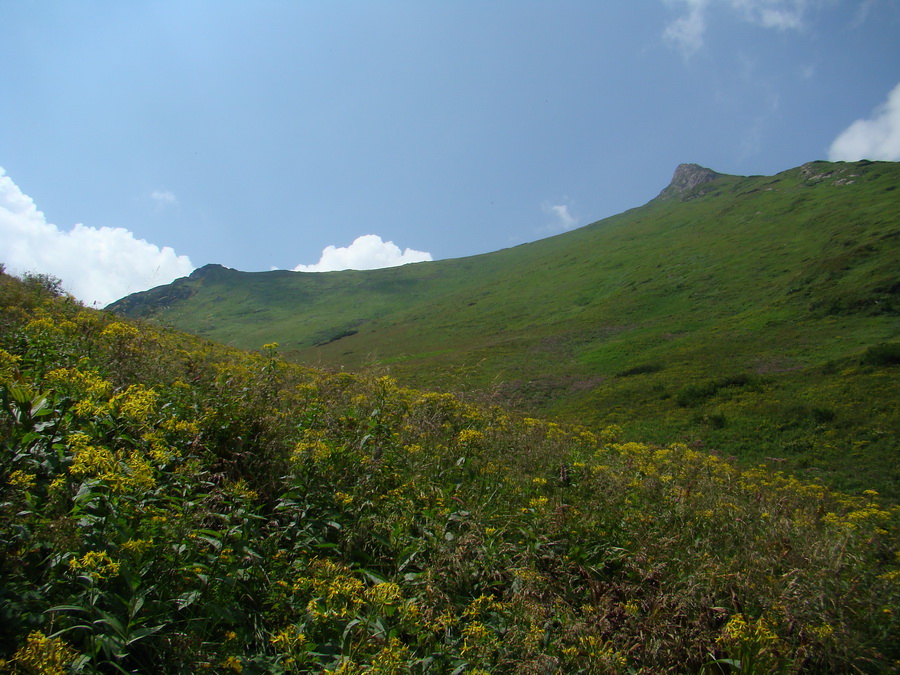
142	139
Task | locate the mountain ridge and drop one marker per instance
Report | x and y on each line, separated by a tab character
687	316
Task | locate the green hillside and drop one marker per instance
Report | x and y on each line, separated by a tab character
757	316
172	505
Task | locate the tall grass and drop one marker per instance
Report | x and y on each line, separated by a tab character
171	505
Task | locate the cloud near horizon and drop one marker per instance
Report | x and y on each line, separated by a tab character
687	31
367	252
877	138
97	266
563	219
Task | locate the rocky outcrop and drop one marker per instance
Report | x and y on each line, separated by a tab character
687	177
211	270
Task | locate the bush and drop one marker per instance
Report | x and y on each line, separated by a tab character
884	354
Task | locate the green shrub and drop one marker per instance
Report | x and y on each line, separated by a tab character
884	354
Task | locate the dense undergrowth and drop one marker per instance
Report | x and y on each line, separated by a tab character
171	505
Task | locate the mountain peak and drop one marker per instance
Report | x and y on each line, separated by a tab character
212	269
686	178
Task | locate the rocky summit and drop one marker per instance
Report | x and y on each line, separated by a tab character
686	178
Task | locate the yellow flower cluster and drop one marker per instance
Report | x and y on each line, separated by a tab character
343	498
137	546
86	382
384	594
288	639
21	480
43	325
473	634
602	654
7	365
241	489
41	655
313	446
120	331
336	593
95	564
137	403
470	437
232	663
123	473
391	660
90	459
538	503
739	631
91	390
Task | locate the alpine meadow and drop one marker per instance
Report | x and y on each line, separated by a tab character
757	317
665	442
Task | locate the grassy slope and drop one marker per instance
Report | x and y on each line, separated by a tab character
738	318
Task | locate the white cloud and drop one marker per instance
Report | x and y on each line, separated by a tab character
687	31
875	138
562	218
163	198
367	252
96	265
862	14
780	14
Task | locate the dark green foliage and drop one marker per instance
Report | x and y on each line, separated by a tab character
884	354
43	283
643	369
695	394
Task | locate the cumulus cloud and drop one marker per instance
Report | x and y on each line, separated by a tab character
875	138
563	219
367	252
687	31
97	266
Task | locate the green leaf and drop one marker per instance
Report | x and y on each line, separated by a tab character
212	541
141	633
187	599
112	622
67	608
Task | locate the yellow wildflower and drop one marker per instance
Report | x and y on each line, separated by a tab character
95	564
22	480
288	639
120	331
137	546
232	663
7	365
470	437
45	655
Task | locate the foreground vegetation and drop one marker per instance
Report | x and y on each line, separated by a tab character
757	314
171	505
